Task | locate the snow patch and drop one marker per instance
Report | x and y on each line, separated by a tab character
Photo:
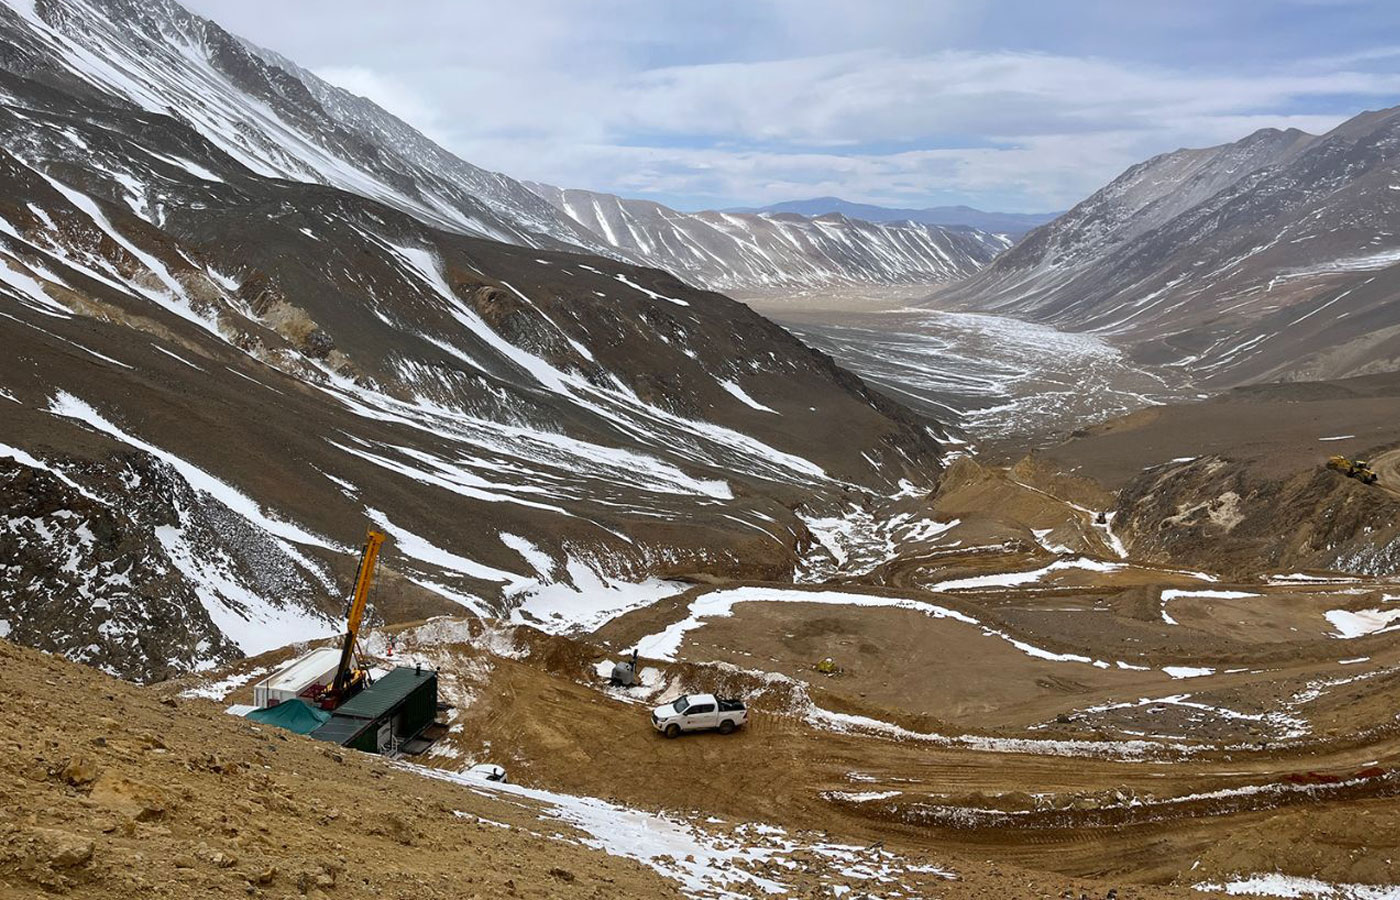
25	459
717	604
422	549
847	723
861	796
218	690
1276	884
1042	536
1173	594
1013	579
739	394
537	559
252	622
652	294
1362	622
591	601
703	861
1188	671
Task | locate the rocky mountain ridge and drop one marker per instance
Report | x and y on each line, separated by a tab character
276	122
742	251
1014	225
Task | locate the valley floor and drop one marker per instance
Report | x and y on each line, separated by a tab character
1013	384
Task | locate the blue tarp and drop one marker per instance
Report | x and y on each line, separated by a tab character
293	715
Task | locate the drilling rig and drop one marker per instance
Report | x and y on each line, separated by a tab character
351	676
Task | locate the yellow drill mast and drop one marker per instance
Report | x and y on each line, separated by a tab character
349	680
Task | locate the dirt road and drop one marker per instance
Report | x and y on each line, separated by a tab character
1387	468
1181	810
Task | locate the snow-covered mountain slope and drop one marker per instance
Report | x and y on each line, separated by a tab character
273	118
1267	258
1011	224
217	376
738	251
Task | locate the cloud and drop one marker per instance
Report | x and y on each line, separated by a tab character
1027	130
865	98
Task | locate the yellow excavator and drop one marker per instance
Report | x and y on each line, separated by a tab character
1359	469
351	676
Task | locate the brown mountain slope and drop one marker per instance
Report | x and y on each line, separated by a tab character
1270	258
216	379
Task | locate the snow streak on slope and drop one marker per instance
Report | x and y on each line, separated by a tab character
727	251
702	442
253	622
150	574
71	407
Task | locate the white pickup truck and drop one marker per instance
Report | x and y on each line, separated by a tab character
699	712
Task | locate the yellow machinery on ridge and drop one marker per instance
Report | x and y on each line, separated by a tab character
1359	469
351	678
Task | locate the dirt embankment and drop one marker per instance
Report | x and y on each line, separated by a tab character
1219	515
1237	482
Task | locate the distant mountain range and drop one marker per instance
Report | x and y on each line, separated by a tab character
1274	257
739	251
1012	224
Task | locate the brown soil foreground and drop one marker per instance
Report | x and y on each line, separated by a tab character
1154	820
109	790
114	790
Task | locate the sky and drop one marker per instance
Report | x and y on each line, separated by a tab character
1014	105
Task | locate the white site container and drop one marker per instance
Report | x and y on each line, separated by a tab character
287	683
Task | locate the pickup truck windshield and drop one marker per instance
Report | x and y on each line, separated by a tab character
682	704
